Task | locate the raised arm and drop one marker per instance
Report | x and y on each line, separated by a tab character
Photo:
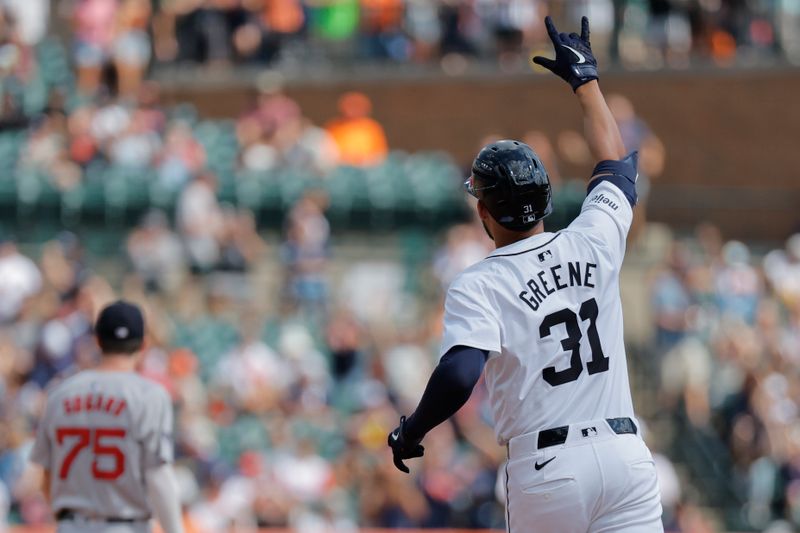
599	127
601	215
575	64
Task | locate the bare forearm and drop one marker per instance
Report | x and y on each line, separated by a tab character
599	126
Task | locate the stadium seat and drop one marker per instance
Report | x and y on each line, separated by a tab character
10	148
36	196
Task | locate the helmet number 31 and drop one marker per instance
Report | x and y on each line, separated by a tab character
527	214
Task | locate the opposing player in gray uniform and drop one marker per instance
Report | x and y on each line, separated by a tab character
542	314
105	440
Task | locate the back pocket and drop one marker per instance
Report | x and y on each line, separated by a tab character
642	479
550	486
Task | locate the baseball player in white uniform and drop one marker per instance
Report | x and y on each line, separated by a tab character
542	315
105	440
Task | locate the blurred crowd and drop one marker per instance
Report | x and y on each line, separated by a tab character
284	385
294	32
65	122
122	39
141	136
727	342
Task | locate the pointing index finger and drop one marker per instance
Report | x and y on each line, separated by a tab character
585	29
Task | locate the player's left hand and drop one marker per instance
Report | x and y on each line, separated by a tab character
403	448
574	61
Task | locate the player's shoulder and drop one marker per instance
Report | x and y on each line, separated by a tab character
472	278
480	278
147	386
143	393
64	384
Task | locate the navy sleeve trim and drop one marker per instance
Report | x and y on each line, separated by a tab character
448	389
622	174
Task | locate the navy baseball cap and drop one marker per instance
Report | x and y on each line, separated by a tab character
119	323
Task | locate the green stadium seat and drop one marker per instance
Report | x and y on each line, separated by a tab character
185	112
249	190
8	195
342	185
72	204
162	196
36	195
208	339
246	433
10	147
292	184
35	97
93	200
127	193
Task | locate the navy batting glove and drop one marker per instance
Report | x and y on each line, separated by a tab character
403	448
574	61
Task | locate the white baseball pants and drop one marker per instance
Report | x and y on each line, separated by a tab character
595	482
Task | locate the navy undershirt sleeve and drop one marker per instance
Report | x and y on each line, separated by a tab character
448	389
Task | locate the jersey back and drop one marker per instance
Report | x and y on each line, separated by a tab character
548	310
99	434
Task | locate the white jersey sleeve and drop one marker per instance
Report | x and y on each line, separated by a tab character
156	430
469	317
605	219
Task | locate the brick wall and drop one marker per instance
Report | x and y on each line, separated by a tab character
732	137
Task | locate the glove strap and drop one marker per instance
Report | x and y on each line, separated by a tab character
581	74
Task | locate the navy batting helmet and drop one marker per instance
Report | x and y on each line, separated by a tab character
511	181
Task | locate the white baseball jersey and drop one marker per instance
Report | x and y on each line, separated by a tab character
99	434
548	310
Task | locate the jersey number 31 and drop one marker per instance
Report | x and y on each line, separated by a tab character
572	344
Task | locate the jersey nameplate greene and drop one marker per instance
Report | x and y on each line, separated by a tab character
557	278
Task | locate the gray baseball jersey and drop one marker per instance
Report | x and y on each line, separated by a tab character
99	434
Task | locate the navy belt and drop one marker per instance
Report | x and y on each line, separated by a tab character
558	436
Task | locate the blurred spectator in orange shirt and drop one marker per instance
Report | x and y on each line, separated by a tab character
284	16
360	139
381	15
